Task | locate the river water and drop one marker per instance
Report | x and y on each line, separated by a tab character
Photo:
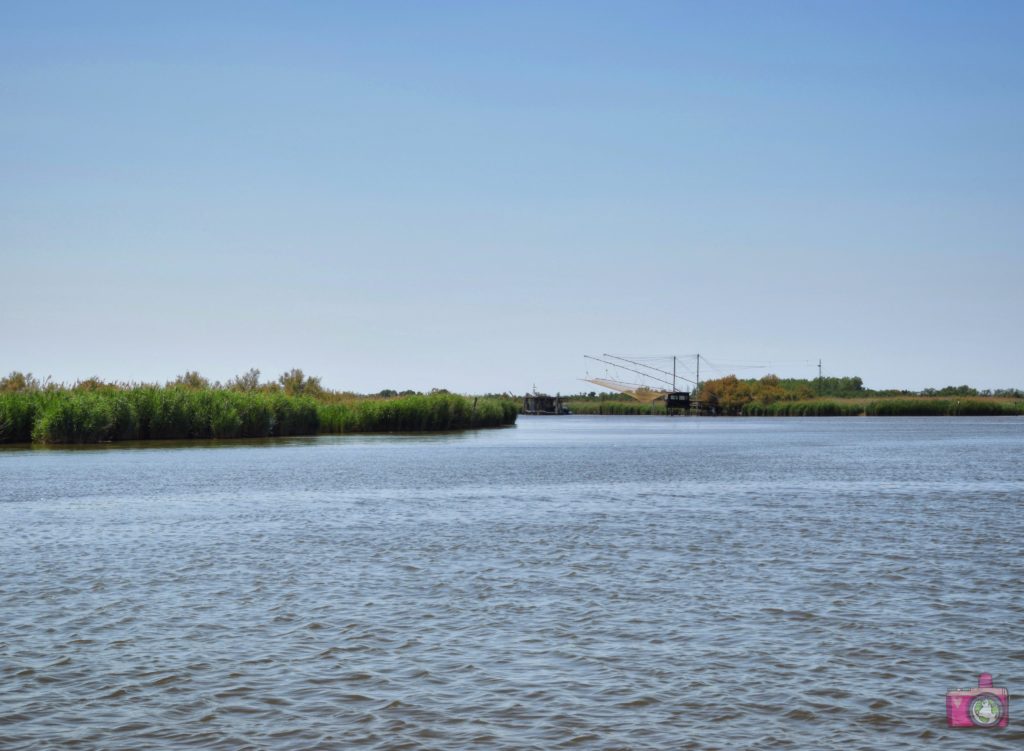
577	582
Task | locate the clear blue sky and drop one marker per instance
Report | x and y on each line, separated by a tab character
473	195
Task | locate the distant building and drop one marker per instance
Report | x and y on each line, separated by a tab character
542	404
678	400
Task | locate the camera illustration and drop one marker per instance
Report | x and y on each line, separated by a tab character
981	707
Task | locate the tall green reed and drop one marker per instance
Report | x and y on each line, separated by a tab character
180	412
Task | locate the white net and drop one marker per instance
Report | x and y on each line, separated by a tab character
637	391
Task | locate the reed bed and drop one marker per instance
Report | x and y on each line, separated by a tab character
614	408
154	413
807	408
832	407
431	412
895	407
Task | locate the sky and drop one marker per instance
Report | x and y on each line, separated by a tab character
473	195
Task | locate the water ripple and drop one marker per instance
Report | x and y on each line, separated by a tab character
579	583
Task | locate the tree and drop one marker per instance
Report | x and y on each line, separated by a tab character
191	380
964	390
248	381
297	383
18	381
728	394
769	390
95	383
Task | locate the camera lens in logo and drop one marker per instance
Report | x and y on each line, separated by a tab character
985	710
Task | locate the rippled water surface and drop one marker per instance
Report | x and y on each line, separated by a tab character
580	582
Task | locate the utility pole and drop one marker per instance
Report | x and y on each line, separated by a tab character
819	376
698	371
673	372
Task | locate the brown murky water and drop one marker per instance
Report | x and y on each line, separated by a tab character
579	582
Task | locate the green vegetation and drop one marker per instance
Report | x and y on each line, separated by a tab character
605	403
613	407
982	407
190	407
437	411
773	396
846	396
890	407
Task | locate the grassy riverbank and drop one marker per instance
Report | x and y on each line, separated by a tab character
773	396
114	413
892	407
616	407
921	406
